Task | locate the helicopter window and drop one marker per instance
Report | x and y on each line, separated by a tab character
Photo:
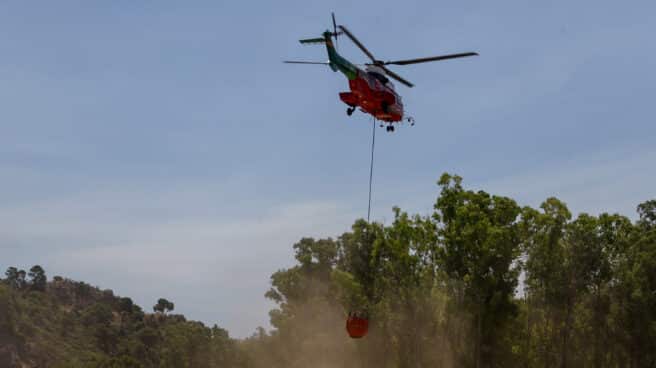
380	77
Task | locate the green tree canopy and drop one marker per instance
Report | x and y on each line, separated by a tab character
163	306
38	279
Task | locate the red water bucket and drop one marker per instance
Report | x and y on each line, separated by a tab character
357	327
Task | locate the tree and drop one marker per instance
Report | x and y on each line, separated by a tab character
11	276
125	305
634	291
163	306
546	287
647	213
308	308
15	278
480	243
38	279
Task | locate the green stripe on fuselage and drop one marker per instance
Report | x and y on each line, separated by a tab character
337	62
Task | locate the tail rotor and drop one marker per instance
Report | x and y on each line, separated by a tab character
335	32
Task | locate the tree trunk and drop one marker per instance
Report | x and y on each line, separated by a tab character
479	335
597	329
527	350
565	334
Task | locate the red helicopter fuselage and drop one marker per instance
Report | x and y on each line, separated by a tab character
375	95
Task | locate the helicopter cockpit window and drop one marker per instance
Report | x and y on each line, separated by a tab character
381	78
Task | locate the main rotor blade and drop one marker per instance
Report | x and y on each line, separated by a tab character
357	43
396	76
306	62
315	63
432	58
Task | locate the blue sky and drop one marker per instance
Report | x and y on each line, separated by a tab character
163	149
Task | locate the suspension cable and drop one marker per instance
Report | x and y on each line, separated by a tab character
371	167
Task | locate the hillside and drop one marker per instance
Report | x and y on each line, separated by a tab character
65	323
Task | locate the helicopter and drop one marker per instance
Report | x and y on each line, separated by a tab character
370	89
